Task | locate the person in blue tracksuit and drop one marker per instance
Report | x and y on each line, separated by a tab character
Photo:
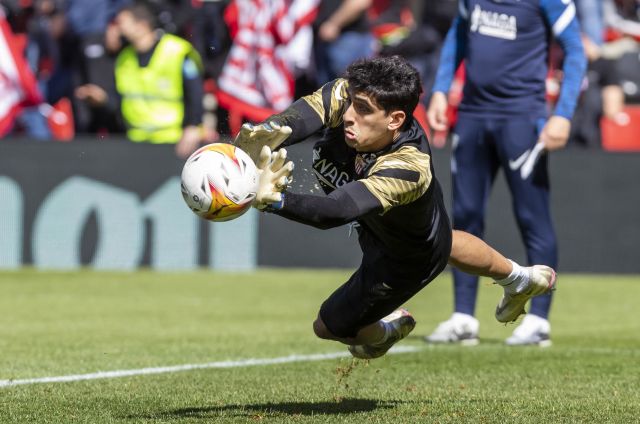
504	123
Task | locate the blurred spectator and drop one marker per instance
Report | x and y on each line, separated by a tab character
436	18
422	40
93	113
21	102
259	70
622	16
211	36
600	81
18	88
159	82
622	20
60	59
591	20
585	128
298	53
174	16
52	56
342	35
390	21
398	33
86	18
613	76
97	41
43	24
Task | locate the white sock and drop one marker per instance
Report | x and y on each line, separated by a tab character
461	316
518	275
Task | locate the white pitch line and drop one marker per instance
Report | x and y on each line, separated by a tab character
189	367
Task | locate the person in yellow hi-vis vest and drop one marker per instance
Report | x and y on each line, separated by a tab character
158	81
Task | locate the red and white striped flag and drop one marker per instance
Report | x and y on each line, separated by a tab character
18	86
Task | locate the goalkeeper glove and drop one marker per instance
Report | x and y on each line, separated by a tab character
274	176
252	138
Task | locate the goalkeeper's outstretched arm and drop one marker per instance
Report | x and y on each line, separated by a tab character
303	118
342	206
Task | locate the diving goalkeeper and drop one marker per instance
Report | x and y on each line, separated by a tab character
374	163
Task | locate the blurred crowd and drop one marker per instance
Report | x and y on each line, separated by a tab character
191	71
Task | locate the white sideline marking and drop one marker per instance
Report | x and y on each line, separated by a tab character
189	367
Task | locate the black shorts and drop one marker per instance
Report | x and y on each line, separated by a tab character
375	290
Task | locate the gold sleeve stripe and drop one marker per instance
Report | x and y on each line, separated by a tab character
332	98
338	100
315	101
400	177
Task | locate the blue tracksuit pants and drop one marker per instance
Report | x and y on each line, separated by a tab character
482	146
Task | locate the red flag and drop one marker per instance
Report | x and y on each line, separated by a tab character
18	86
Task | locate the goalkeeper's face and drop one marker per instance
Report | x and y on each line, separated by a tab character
367	127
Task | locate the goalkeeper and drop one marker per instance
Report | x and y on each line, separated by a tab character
374	163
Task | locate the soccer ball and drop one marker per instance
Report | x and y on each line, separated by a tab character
219	182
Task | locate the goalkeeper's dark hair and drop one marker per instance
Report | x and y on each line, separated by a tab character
391	82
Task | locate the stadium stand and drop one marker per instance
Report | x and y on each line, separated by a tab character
54	32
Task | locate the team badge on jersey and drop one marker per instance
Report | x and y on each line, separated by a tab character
363	160
493	24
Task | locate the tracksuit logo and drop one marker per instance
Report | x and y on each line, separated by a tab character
527	161
493	24
327	173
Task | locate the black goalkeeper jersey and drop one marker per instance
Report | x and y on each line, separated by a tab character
393	193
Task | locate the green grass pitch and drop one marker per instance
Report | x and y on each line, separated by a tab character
59	324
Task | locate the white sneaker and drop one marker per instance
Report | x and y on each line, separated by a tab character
460	328
539	279
399	323
533	330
